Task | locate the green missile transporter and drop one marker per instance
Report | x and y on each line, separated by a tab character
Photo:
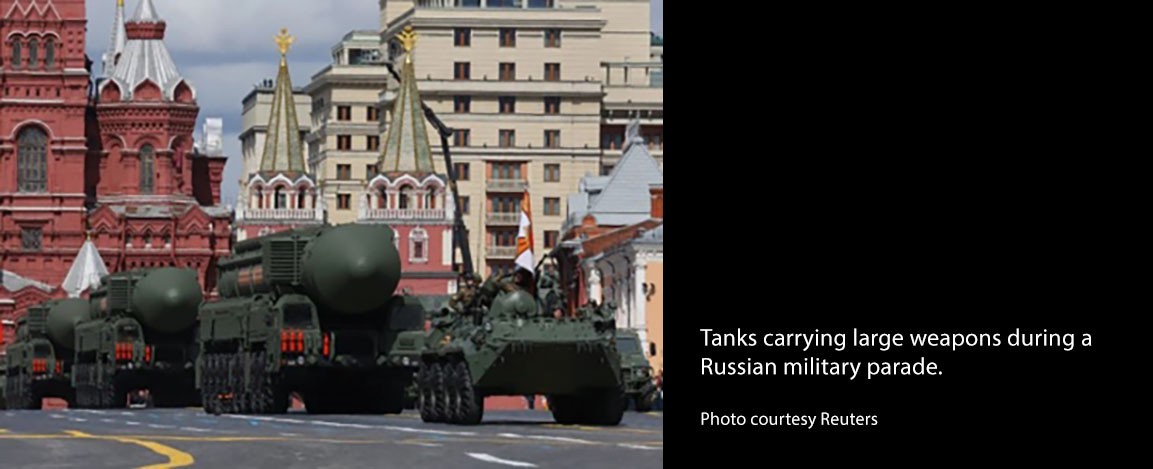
310	311
39	362
141	335
636	371
508	341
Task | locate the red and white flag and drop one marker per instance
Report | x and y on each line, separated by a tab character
524	240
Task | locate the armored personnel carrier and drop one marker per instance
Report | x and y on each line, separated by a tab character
39	363
141	336
636	371
310	311
509	341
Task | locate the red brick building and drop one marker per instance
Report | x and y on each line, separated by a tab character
117	162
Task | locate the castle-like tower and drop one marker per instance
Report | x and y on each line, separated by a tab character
408	195
156	199
282	195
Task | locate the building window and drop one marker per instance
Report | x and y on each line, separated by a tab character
343	142
343	201
147	177
462	104
507	71
373	143
607	169
17	55
552	172
540	3
550	237
552	206
430	198
343	113
417	244
552	139
461	71
462	37
31	239
33	53
461	171
506	171
508	37
280	199
50	53
552	38
373	114
612	138
344	172
507	138
552	72
405	199
552	105
32	160
507	104
369	171
460	137
300	199
464	205
504	237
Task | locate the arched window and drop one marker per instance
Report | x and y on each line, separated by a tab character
50	53
147	177
259	197
382	199
32	160
430	198
17	53
33	53
279	198
405	195
300	199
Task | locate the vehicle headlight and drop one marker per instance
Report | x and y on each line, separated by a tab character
300	360
404	361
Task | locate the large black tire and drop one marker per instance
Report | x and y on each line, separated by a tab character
424	398
470	402
442	405
566	410
432	400
604	408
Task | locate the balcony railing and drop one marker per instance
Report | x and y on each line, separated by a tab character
405	214
507	185
280	214
501	252
502	219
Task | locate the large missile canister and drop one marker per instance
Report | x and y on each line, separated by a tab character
63	315
352	269
167	299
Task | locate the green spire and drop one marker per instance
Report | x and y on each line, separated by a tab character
283	150
406	146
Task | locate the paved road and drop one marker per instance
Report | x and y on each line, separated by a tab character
180	437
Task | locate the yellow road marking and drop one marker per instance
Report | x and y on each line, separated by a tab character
599	429
3	430
176	458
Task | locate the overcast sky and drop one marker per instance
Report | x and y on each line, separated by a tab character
224	47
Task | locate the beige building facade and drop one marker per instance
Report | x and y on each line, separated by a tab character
536	92
345	117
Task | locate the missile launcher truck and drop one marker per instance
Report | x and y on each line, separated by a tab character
39	362
141	336
310	311
508	340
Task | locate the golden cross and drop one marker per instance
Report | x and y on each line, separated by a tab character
407	38
284	41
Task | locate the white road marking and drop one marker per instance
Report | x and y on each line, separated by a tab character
107	420
126	413
132	423
91	411
290	435
194	429
493	459
75	419
632	446
352	425
153	425
56	416
547	437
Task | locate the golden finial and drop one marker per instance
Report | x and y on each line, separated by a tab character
284	43
120	3
407	39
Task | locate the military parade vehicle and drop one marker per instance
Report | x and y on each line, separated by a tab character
310	311
39	362
506	340
636	371
141	336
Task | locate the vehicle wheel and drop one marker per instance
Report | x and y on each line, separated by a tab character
604	408
425	395
440	387
470	410
566	410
